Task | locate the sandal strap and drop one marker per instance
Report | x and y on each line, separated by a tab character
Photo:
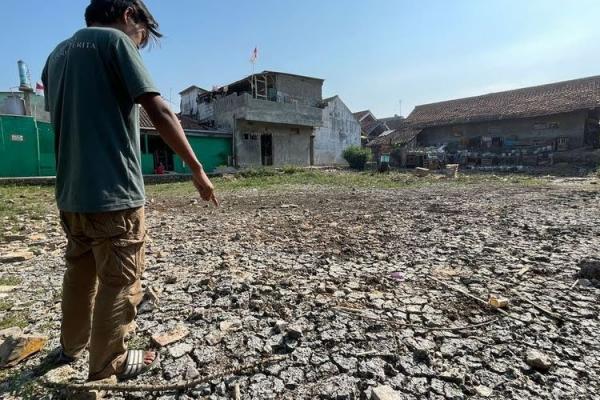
134	363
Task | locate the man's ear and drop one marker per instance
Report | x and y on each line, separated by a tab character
127	17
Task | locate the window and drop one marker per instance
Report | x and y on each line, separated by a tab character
246	136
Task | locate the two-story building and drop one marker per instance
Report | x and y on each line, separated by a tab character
278	119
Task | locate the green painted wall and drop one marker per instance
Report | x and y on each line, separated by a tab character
47	158
27	149
211	151
147	164
19	154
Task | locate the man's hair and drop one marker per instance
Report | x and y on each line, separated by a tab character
106	12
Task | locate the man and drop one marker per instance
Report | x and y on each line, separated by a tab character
93	83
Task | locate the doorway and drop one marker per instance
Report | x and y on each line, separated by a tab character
161	153
266	149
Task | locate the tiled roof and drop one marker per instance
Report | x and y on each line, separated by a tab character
398	136
145	122
394	122
369	127
191	88
359	115
554	98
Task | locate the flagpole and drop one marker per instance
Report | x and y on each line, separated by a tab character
253	79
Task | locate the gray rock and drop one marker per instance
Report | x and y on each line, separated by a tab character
385	393
538	360
180	349
372	369
589	269
483	391
214	338
294	331
292	377
345	364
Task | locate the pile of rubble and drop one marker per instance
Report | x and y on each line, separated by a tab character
367	293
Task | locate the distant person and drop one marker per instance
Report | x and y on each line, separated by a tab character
160	170
93	83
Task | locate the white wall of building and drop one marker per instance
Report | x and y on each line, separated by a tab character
339	131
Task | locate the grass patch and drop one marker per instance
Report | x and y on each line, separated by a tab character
22	386
5	305
19	203
10	281
13	320
25	201
288	178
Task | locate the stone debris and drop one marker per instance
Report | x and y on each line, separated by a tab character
7	289
538	360
12	331
422	172
498	301
16	348
16	256
589	269
230	326
483	391
171	336
341	286
385	393
61	374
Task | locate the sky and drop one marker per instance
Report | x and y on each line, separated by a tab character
382	55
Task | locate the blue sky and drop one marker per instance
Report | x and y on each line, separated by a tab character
372	53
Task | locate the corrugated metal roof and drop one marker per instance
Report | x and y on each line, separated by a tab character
189	124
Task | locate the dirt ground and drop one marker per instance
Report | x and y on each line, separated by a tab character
359	288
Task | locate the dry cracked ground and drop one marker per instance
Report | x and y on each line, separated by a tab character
360	286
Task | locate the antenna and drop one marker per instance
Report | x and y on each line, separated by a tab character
400	101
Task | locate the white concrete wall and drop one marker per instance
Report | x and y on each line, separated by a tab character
189	102
291	146
339	131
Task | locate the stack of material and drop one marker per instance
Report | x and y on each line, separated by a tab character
421	172
451	170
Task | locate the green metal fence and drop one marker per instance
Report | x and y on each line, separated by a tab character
26	147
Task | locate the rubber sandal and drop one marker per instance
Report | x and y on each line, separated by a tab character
55	359
62	359
135	366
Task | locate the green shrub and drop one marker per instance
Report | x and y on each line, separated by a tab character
357	157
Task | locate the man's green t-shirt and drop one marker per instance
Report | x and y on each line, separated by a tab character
92	81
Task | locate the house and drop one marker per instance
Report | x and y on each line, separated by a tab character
340	130
24	103
274	118
370	126
397	141
189	100
524	126
212	146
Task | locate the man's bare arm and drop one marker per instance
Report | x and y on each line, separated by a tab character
168	126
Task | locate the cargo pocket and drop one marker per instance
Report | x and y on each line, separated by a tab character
120	261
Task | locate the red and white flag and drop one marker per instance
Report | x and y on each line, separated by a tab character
39	87
254	56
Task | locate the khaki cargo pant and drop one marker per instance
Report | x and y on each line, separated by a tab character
101	287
